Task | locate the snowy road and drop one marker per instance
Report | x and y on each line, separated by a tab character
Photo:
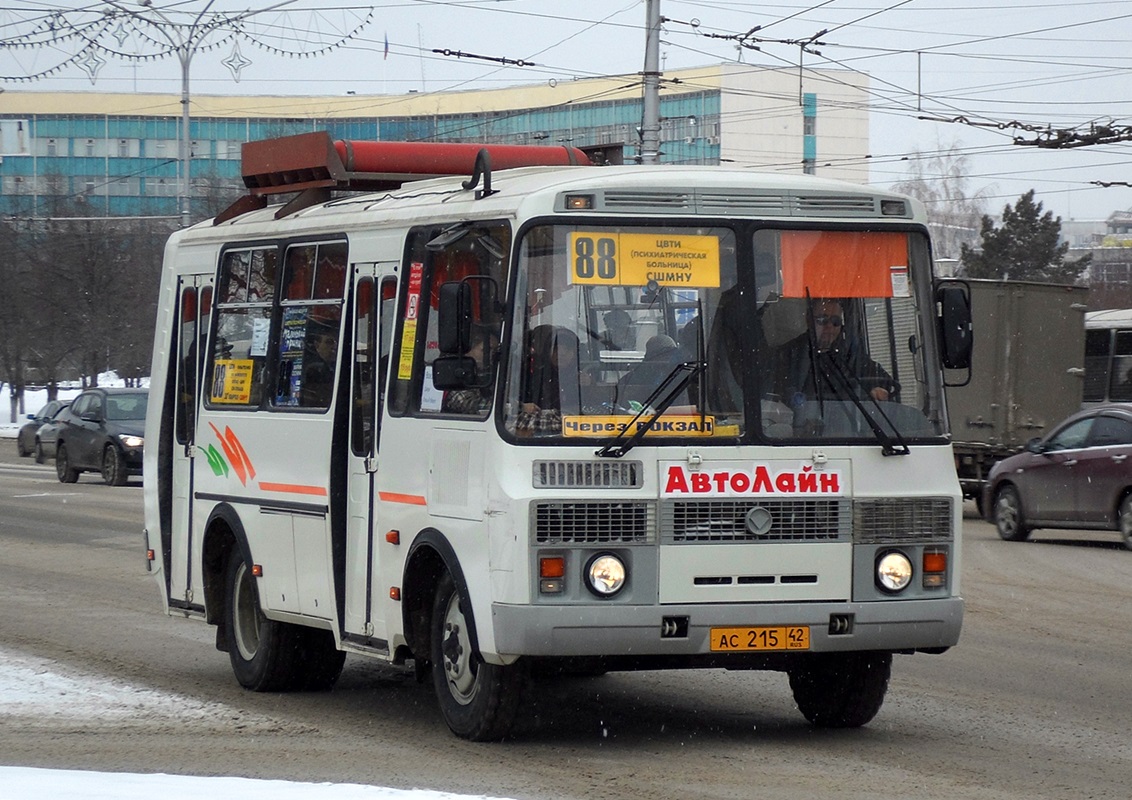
1032	704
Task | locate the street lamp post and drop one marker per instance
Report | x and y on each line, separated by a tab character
184	46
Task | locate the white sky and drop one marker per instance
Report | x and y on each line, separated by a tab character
1036	62
33	689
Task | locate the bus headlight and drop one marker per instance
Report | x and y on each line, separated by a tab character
894	571
605	575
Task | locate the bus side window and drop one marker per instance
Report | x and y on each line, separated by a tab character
1098	347
1120	380
236	366
314	283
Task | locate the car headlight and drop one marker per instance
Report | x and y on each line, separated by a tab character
130	441
606	574
894	571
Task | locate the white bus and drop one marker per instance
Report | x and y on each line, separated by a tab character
500	425
1108	356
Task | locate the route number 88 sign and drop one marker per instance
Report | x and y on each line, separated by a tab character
634	259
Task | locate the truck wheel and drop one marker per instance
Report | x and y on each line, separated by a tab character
1008	519
264	653
63	468
1125	520
478	700
841	690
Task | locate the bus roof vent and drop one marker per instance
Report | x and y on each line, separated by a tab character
724	202
588	475
649	201
816	205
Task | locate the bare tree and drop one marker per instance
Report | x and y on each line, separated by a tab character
939	181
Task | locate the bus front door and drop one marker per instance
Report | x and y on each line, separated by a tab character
373	313
195	294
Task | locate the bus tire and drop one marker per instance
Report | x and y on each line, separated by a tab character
264	653
841	690
479	701
63	469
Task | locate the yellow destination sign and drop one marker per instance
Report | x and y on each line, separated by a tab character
635	259
675	425
232	380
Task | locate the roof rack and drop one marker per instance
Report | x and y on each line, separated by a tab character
314	165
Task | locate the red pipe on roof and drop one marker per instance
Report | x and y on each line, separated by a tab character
442	158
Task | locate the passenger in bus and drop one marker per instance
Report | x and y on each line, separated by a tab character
476	399
619	333
318	365
799	378
662	354
554	380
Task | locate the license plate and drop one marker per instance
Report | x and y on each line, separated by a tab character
742	640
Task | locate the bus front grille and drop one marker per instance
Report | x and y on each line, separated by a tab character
889	519
726	520
593	523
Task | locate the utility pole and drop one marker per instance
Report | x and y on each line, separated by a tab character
650	117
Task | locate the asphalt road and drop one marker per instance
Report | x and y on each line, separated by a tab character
1033	703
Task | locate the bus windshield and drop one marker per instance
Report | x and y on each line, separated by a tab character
722	333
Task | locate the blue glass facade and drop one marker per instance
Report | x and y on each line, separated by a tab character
127	165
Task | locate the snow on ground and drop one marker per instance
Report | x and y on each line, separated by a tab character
34	689
26	783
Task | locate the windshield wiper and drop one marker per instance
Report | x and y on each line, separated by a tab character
843	384
613	448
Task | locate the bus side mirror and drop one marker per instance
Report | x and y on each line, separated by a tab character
454	319
454	372
953	315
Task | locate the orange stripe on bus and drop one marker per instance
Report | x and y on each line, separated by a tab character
409	499
292	488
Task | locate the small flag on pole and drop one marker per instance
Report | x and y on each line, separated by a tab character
386	56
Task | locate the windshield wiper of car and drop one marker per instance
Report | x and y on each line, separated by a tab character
846	385
678	379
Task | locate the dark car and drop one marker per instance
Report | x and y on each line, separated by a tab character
102	431
48	434
1078	476
25	438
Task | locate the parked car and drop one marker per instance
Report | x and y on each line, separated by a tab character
1077	476
102	431
25	437
48	434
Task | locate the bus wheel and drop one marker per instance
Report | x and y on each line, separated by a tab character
63	468
479	701
841	690
263	652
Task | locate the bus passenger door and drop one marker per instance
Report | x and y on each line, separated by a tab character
374	290
196	306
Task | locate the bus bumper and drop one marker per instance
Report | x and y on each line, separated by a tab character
685	630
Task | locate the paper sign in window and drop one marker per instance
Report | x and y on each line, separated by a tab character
842	263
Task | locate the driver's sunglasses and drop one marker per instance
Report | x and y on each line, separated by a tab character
829	319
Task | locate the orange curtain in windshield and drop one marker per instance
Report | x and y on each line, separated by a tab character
842	263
